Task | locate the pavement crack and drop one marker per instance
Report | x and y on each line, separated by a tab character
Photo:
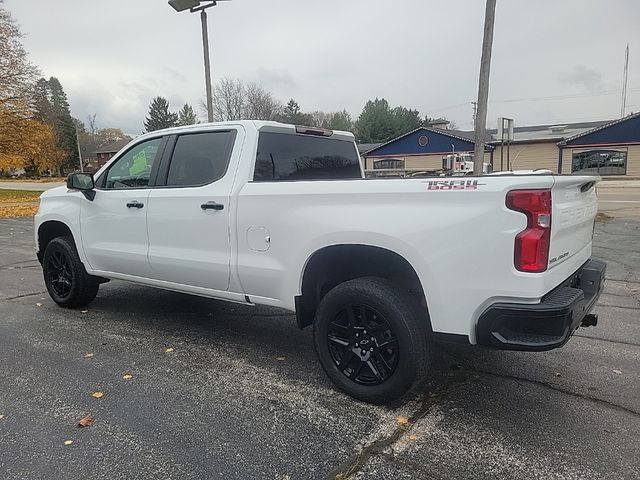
557	389
618	306
619	342
22	296
636	282
357	461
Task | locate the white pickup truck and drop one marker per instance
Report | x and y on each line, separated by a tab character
272	214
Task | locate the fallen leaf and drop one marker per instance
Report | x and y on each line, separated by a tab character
413	438
127	376
168	350
1	417
617	371
88	355
85	421
403	421
68	442
38	304
97	394
84	311
281	359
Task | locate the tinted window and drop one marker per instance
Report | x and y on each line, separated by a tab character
284	156
602	162
132	170
200	158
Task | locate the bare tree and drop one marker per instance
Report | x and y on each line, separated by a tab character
229	99
17	75
93	128
260	104
320	119
235	100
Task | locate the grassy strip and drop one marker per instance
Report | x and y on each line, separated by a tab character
18	211
18	203
14	196
35	180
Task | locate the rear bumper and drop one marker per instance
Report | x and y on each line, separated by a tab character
548	324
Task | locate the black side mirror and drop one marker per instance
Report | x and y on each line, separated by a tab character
83	182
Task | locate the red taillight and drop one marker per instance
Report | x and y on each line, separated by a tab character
532	244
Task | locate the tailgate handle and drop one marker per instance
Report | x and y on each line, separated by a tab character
587	186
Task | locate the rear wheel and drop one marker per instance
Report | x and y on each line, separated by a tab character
66	279
373	339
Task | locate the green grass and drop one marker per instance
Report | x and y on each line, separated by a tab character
13	196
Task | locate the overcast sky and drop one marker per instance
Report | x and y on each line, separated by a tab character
113	56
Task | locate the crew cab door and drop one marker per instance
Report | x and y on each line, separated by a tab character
188	217
114	225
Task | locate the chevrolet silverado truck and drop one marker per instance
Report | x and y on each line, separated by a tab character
262	213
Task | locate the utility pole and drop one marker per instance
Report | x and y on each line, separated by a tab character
483	87
624	82
207	65
475	113
79	152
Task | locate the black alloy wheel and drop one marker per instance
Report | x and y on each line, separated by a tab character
363	345
373	339
65	277
58	270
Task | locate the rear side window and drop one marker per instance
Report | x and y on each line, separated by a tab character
284	156
200	158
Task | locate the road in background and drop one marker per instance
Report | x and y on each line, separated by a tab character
34	186
619	198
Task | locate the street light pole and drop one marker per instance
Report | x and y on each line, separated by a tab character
201	6
207	64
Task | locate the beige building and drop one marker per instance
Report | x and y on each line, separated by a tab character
610	148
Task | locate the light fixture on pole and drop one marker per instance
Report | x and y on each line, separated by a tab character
200	6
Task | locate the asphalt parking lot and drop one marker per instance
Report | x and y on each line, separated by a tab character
240	395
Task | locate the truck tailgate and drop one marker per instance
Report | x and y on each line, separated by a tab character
574	207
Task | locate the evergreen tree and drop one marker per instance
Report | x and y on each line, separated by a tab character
42	108
186	116
375	123
63	124
378	122
340	121
159	116
293	115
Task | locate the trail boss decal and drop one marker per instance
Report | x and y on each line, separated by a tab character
559	257
453	184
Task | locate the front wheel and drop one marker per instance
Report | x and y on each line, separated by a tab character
66	279
373	339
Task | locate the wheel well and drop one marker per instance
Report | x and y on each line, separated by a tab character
336	264
47	232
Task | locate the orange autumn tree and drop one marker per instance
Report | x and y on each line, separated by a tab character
24	143
27	144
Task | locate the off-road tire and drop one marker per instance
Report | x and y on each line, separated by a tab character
408	321
82	287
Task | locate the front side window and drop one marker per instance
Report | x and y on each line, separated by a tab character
200	158
602	162
283	156
133	169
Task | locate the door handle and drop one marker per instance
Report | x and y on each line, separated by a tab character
135	204
212	206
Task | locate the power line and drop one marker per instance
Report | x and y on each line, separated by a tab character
531	99
562	97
